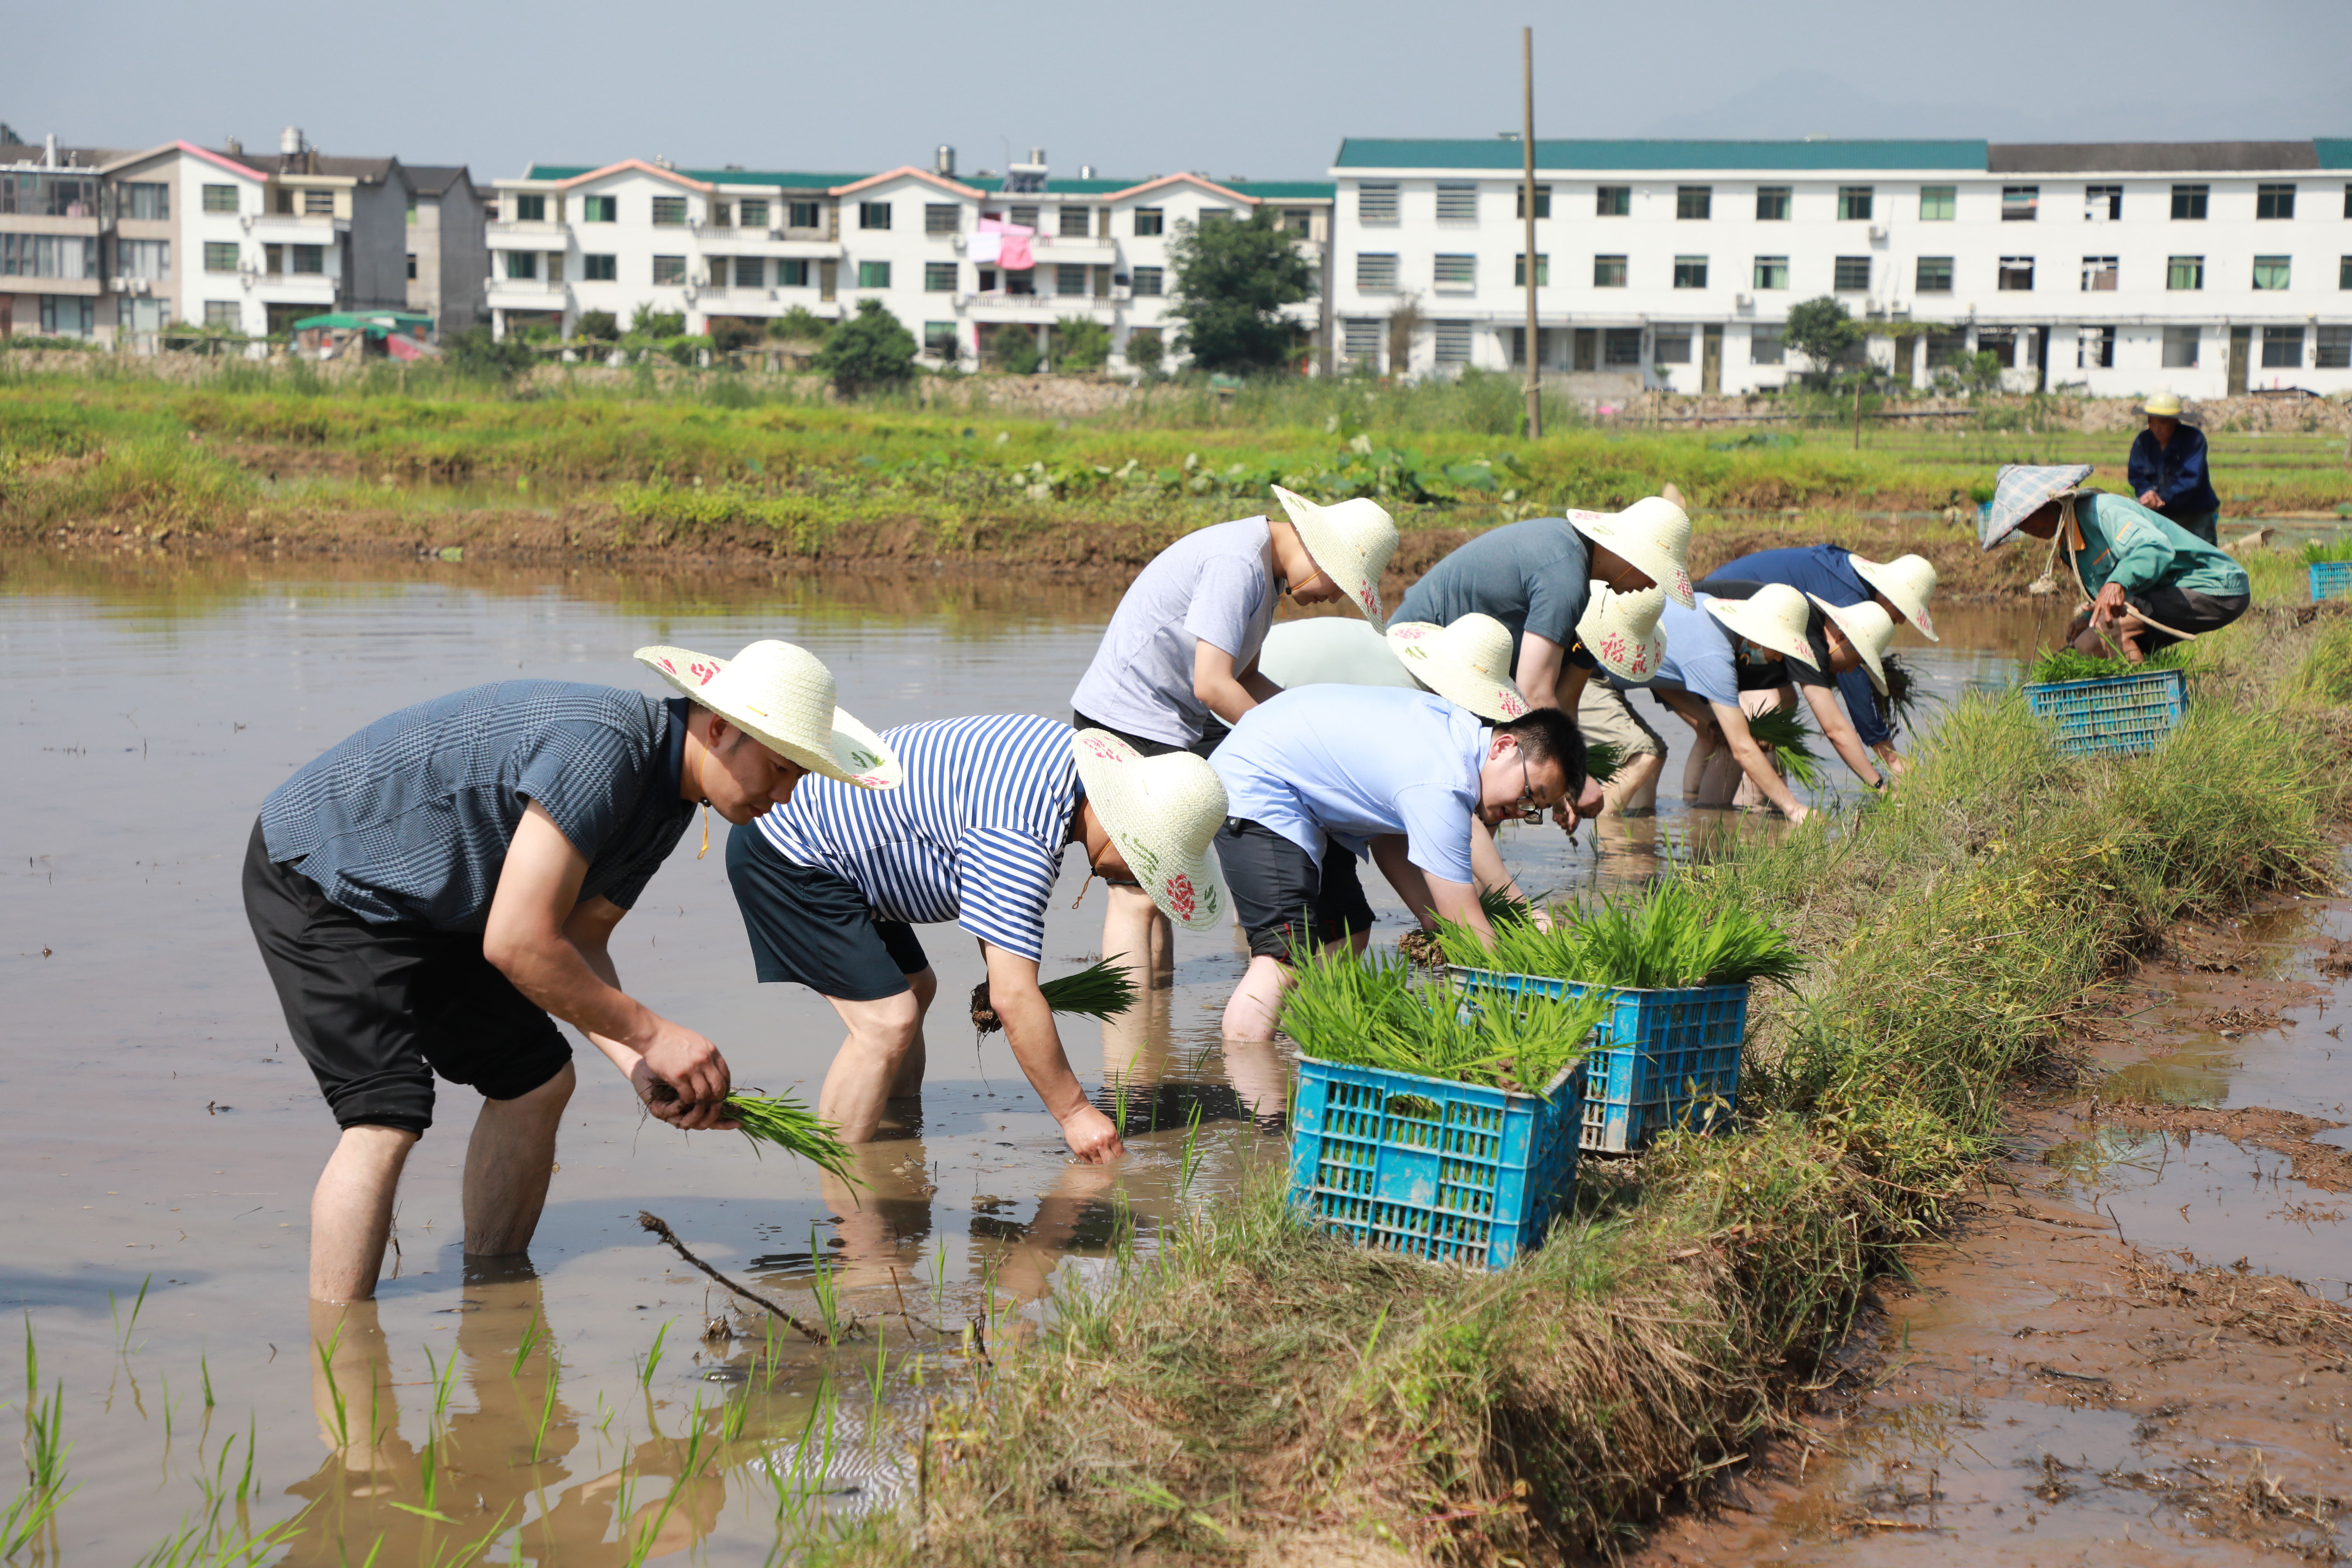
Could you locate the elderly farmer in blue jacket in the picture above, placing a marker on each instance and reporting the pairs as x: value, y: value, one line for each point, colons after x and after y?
x: 2168, y: 470
x: 2150, y: 582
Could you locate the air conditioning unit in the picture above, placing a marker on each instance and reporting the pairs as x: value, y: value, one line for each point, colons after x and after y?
x: 695, y: 224
x: 246, y: 219
x: 1122, y: 291
x: 1744, y: 301
x: 958, y: 241
x: 1878, y: 231
x: 776, y: 233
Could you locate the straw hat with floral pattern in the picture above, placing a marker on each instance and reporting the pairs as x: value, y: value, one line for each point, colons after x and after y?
x: 781, y: 696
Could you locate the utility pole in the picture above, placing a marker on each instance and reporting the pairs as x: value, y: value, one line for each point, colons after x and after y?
x: 1528, y: 200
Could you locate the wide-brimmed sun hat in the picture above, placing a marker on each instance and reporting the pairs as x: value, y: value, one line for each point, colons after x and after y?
x: 2018, y: 492
x: 1774, y: 618
x: 1351, y: 541
x: 1652, y: 535
x: 1908, y: 581
x: 1161, y: 811
x: 1621, y: 630
x: 1468, y: 662
x: 781, y: 696
x: 1869, y: 628
x: 2164, y: 402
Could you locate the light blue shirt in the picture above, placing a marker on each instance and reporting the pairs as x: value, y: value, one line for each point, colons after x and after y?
x: 1212, y: 586
x: 1698, y: 657
x: 1346, y: 765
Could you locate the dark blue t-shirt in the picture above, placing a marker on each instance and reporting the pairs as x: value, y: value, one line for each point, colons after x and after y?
x: 1819, y: 569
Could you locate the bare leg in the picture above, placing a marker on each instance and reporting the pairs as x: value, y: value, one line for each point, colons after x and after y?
x: 909, y: 1083
x: 1137, y: 934
x: 1256, y: 1002
x: 868, y: 1066
x: 508, y: 1164
x: 1635, y: 787
x: 351, y: 1395
x: 350, y: 1211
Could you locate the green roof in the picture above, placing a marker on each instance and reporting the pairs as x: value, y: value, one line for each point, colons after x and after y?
x: 1503, y: 153
x: 2335, y: 152
x: 785, y: 181
x: 1053, y: 188
x: 1284, y: 190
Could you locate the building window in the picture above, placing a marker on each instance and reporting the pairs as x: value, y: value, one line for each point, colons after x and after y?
x: 1855, y: 203
x: 411, y: 212
x: 1360, y: 338
x: 2189, y: 202
x: 310, y: 260
x: 751, y: 214
x: 1375, y: 201
x: 942, y: 217
x: 224, y: 313
x: 939, y: 277
x: 2185, y: 272
x: 1693, y: 201
x: 669, y: 212
x: 750, y: 272
x: 1947, y: 350
x: 1149, y: 221
x: 600, y: 209
x: 1620, y: 345
x: 2019, y: 203
x: 793, y: 272
x: 1455, y: 273
x: 49, y: 195
x: 1457, y: 203
x: 1299, y: 221
x: 2017, y: 273
x: 1545, y: 337
x: 721, y: 214
x: 1609, y: 272
x: 1934, y: 275
x: 220, y: 256
x: 1077, y: 222
x: 1216, y: 215
x: 318, y: 203
x: 1771, y: 272
x: 1612, y: 201
x: 1671, y: 343
x: 2099, y: 272
x: 2334, y: 349
x: 2180, y: 347
x: 874, y: 275
x: 939, y: 339
x: 2095, y: 348
x: 555, y: 267
x: 2270, y: 271
x: 146, y: 201
x: 1765, y: 345
x: 1070, y: 277
x: 669, y: 269
x: 1376, y: 271
x: 2343, y: 272
x: 1519, y: 201
x: 2281, y: 348
x: 2273, y: 201
x: 874, y: 214
x: 1690, y: 271
x: 599, y: 268
x: 221, y: 199
x: 1452, y: 342
x: 412, y: 266
x: 1151, y: 282
x: 519, y: 264
x: 2102, y: 204
x: 1852, y: 275
x: 530, y: 208
x: 1519, y: 271
x: 803, y: 214
x: 150, y: 258
x: 1773, y: 204
x: 1938, y: 203
x: 273, y: 259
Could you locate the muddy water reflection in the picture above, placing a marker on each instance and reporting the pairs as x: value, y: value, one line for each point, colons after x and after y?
x: 163, y: 1132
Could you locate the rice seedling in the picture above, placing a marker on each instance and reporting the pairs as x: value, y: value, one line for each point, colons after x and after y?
x: 531, y: 1335
x: 326, y: 1349
x: 1906, y: 698
x: 44, y: 1441
x: 1665, y: 938
x: 444, y: 1387
x: 2321, y: 551
x: 205, y: 1370
x: 821, y: 1286
x: 122, y: 1329
x: 1782, y: 733
x: 731, y: 1419
x: 1601, y: 760
x: 783, y: 1121
x: 1100, y: 990
x: 2051, y: 666
x: 878, y: 1384
x: 653, y: 1357
x: 27, y: 1514
x: 1370, y: 1014
x: 1188, y: 1164
x: 939, y: 1280
x: 198, y: 1546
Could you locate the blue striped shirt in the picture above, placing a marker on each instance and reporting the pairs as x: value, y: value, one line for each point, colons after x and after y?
x: 975, y: 835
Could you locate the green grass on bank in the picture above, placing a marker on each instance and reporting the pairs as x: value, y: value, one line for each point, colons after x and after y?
x: 1249, y: 1381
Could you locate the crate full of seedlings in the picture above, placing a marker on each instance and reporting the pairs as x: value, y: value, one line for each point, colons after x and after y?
x: 2105, y: 707
x: 1672, y: 971
x: 1427, y: 1127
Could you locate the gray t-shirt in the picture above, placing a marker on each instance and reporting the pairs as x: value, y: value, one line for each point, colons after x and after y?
x: 1533, y: 577
x: 1211, y: 586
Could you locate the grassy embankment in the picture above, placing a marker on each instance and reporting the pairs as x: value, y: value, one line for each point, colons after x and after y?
x: 714, y: 466
x: 1247, y: 1382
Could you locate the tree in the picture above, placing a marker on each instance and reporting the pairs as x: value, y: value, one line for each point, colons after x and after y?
x: 872, y: 348
x: 729, y: 334
x: 1232, y: 278
x: 799, y: 324
x: 597, y: 327
x: 1821, y: 331
x: 1144, y: 351
x: 475, y: 352
x: 652, y: 323
x: 1080, y: 343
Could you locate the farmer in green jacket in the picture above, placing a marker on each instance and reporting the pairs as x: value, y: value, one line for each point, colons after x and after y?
x: 2147, y: 582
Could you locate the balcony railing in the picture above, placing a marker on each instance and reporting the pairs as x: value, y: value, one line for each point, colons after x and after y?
x: 1048, y: 304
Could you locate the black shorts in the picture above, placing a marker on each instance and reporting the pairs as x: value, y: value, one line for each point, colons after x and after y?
x: 1274, y: 882
x: 1149, y: 748
x: 2186, y: 610
x: 377, y: 1010
x: 810, y: 926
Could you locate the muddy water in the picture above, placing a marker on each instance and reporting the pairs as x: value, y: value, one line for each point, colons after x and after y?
x: 163, y: 1136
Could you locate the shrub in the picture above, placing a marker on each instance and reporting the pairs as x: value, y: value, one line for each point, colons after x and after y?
x: 1080, y: 343
x: 652, y: 323
x: 872, y: 348
x: 475, y: 352
x: 597, y: 327
x: 730, y: 334
x: 799, y: 325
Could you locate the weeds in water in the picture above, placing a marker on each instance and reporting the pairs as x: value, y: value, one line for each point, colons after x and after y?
x: 1667, y: 937
x: 1369, y: 1013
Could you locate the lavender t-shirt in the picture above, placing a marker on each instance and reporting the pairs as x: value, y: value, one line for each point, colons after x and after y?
x: 1210, y: 587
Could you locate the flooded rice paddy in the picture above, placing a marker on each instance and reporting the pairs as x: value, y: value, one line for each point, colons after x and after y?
x: 164, y: 1135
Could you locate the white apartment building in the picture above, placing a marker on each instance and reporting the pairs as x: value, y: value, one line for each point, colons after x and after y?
x: 741, y: 244
x: 2208, y: 267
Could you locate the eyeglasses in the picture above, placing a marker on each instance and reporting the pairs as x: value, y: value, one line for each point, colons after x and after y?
x: 1530, y: 810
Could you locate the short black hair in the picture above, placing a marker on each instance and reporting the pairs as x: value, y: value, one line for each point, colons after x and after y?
x: 1548, y: 735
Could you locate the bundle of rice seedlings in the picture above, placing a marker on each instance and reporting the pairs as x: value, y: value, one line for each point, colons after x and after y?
x: 1780, y: 732
x: 1665, y: 939
x: 2053, y: 665
x: 782, y: 1121
x: 1370, y: 1013
x: 1101, y: 990
x: 1905, y: 699
x: 2320, y: 552
x: 1601, y: 760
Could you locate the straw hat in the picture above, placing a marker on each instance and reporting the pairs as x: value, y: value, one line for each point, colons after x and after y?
x: 1468, y: 662
x: 1908, y: 581
x: 2164, y: 402
x: 1869, y: 628
x: 1161, y: 811
x: 1774, y: 618
x: 781, y: 697
x: 1621, y: 630
x: 1351, y: 541
x: 2020, y: 491
x: 1654, y: 534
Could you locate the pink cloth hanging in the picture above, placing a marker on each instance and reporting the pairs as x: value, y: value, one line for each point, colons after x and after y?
x: 1015, y: 255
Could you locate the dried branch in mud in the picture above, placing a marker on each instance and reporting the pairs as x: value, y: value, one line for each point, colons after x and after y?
x: 660, y: 1227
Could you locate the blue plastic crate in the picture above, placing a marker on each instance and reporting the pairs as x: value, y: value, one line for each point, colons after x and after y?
x: 2331, y: 580
x: 2116, y: 714
x: 1452, y: 1171
x: 1665, y: 1059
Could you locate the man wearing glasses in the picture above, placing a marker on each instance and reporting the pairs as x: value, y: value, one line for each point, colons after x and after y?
x: 1413, y: 779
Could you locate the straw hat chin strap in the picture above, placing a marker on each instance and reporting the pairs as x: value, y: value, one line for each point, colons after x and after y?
x: 2070, y: 535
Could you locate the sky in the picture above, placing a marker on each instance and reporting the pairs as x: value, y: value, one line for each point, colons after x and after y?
x: 1230, y: 88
